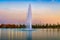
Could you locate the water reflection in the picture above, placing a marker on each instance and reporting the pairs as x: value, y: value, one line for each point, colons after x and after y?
x: 39, y: 34
x: 29, y: 35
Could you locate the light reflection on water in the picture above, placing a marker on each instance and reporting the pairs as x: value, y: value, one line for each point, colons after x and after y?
x: 39, y: 34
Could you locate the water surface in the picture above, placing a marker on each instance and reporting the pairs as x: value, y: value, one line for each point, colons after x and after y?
x: 39, y: 34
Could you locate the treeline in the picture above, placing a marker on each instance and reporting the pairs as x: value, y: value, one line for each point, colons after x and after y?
x: 12, y: 26
x: 33, y: 26
x: 46, y: 26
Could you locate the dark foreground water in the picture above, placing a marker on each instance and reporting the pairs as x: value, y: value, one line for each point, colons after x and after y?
x: 38, y: 34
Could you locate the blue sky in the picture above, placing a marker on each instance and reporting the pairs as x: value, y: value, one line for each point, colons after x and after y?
x: 29, y: 0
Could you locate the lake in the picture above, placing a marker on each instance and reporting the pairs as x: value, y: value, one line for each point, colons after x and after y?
x: 38, y: 34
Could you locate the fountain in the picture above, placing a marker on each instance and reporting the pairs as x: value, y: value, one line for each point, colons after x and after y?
x: 29, y: 24
x: 29, y: 18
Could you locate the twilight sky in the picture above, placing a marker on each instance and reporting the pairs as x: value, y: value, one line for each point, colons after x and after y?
x: 43, y: 11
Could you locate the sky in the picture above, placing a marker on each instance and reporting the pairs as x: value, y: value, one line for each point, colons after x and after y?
x: 43, y: 11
